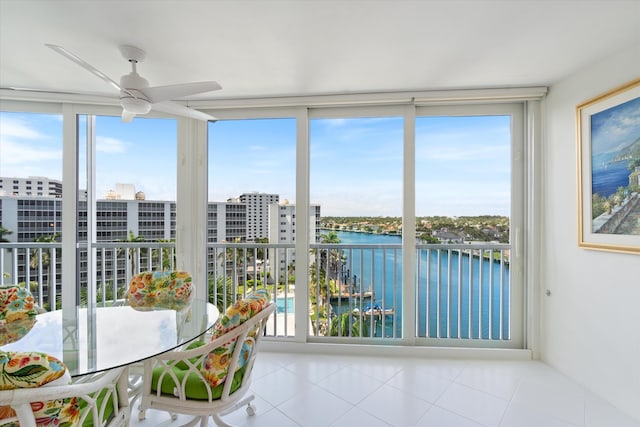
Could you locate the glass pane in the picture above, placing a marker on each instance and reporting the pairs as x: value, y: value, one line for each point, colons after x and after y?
x: 135, y: 184
x: 31, y: 201
x: 252, y: 213
x: 356, y: 180
x: 463, y: 201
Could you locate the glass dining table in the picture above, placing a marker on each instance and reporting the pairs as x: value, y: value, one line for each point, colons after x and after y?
x: 102, y: 338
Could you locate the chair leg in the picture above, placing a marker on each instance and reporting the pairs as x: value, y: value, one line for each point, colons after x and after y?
x: 219, y: 422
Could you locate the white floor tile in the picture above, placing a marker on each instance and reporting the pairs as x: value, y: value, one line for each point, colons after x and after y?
x: 555, y: 397
x: 279, y: 386
x: 438, y: 417
x: 294, y: 390
x: 314, y: 407
x: 380, y: 368
x: 394, y: 406
x: 473, y: 404
x: 500, y: 380
x: 522, y: 416
x: 599, y: 413
x: 350, y: 385
x: 314, y: 368
x: 357, y: 417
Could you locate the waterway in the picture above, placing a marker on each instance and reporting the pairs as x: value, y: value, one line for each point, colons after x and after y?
x: 607, y: 179
x: 471, y: 302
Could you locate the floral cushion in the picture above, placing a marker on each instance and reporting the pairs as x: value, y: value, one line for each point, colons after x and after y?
x: 28, y: 369
x: 216, y: 364
x: 33, y: 369
x: 16, y: 303
x: 160, y: 289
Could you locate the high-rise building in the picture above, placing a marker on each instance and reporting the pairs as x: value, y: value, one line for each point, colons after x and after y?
x: 258, y: 213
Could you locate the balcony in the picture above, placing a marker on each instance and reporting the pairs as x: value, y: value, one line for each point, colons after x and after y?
x: 352, y: 294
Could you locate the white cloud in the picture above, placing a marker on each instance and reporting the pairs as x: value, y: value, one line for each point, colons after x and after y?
x: 106, y: 144
x: 17, y: 152
x: 10, y: 128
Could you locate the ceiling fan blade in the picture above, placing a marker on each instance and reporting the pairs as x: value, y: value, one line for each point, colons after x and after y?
x: 127, y: 116
x: 81, y: 62
x: 180, y: 110
x: 166, y: 93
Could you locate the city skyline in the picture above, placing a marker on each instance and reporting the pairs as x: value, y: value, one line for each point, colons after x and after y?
x: 462, y: 164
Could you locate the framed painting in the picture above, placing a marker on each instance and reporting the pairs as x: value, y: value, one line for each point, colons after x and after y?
x: 609, y: 170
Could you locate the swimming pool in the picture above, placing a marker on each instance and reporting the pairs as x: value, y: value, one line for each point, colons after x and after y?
x: 287, y: 302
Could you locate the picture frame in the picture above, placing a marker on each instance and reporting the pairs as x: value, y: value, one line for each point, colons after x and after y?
x: 608, y: 130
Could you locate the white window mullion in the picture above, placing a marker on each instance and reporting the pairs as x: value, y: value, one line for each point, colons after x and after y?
x: 302, y: 224
x: 409, y: 296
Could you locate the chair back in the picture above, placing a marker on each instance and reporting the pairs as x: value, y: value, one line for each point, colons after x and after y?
x: 160, y: 289
x: 16, y: 303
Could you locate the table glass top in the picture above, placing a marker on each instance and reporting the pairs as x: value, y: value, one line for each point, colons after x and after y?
x: 108, y: 337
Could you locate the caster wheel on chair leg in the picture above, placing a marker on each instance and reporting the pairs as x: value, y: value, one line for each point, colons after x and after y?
x: 251, y: 410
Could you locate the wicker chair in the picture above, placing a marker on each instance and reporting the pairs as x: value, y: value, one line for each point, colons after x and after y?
x: 47, y: 397
x: 213, y: 378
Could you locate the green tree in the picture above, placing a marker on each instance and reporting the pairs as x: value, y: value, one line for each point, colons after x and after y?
x: 132, y: 258
x: 4, y: 232
x: 41, y: 257
x: 221, y: 292
x: 163, y: 254
x: 347, y: 325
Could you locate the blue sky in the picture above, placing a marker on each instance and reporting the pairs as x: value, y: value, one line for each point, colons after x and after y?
x: 462, y: 164
x: 616, y: 127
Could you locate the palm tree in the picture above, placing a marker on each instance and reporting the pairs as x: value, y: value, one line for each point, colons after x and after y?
x: 131, y: 254
x: 46, y: 253
x: 222, y: 294
x: 164, y: 254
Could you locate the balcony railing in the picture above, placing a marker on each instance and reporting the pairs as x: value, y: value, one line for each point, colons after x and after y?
x: 462, y: 292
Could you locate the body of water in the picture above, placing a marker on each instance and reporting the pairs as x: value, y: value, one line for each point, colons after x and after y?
x: 470, y: 305
x: 607, y: 180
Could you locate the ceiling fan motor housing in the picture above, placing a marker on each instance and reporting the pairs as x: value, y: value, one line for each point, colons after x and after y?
x: 134, y: 105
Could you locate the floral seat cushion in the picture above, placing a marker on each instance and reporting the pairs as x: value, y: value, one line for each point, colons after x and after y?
x: 160, y: 289
x: 33, y: 369
x: 28, y: 369
x: 16, y: 303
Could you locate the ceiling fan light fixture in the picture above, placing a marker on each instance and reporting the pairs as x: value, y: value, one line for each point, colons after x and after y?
x: 136, y: 106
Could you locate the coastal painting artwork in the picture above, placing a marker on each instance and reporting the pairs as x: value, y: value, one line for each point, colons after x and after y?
x: 609, y: 170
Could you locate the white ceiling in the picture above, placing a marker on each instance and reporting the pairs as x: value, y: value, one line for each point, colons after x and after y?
x: 257, y: 48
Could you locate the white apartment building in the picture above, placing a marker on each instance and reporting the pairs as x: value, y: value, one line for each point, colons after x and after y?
x: 258, y: 213
x: 29, y: 217
x: 282, y: 230
x: 31, y: 186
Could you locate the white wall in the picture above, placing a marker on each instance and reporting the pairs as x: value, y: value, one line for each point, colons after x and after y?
x: 590, y: 324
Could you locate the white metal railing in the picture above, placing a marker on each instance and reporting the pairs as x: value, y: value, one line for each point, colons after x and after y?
x: 462, y: 291
x: 39, y: 265
x: 234, y: 269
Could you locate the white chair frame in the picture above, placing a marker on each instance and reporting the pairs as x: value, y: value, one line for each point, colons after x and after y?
x: 203, y: 409
x: 114, y: 380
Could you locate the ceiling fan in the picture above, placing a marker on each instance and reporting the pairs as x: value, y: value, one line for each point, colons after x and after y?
x: 136, y: 96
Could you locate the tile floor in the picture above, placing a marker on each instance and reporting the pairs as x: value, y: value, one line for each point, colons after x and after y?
x: 349, y: 391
